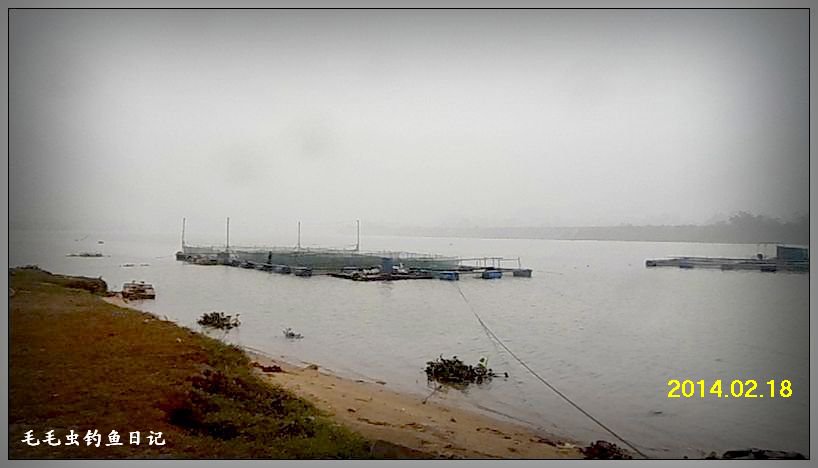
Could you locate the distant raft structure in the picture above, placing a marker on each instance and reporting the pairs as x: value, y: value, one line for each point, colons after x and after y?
x: 351, y: 264
x: 86, y: 254
x: 788, y: 258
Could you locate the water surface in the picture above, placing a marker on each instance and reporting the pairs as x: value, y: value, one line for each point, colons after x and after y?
x: 592, y: 320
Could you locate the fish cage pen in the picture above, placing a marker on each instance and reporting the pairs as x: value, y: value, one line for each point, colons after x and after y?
x: 788, y: 258
x: 347, y: 263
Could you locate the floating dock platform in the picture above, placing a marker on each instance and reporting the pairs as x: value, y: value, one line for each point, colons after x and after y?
x: 766, y: 265
x: 347, y: 264
x: 789, y: 258
x: 381, y: 277
x: 352, y: 265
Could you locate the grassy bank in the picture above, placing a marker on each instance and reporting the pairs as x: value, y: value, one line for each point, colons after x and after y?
x: 77, y: 362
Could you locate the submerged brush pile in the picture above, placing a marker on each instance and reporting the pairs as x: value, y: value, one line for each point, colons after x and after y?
x: 455, y: 371
x: 219, y: 320
x: 602, y: 450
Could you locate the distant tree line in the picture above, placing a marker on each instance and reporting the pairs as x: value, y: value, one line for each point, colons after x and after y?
x: 740, y: 228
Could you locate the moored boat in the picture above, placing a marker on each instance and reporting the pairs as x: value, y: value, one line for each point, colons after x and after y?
x: 140, y: 290
x: 449, y: 275
x: 491, y: 274
x: 302, y: 271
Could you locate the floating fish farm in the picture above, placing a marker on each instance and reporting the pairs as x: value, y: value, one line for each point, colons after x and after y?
x: 787, y: 259
x: 352, y: 264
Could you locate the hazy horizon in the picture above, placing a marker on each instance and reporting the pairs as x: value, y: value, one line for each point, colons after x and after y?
x: 133, y: 119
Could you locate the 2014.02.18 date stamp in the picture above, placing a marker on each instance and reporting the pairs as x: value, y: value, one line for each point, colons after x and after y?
x: 735, y: 389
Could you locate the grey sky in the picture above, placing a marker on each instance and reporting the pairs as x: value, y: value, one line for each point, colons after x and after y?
x: 135, y: 118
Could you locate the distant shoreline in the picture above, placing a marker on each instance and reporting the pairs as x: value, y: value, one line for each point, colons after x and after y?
x: 743, y: 231
x: 713, y: 234
x: 579, y: 239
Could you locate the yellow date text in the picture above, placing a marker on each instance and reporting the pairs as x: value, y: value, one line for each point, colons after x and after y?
x: 728, y: 389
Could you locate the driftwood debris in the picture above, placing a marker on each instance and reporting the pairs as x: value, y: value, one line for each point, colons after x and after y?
x: 761, y: 454
x: 456, y: 372
x: 601, y: 450
x: 219, y: 320
x: 271, y: 368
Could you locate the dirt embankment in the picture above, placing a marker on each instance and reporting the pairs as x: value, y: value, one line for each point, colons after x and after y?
x: 79, y: 363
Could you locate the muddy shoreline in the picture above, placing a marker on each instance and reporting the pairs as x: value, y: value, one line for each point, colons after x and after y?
x: 418, y: 426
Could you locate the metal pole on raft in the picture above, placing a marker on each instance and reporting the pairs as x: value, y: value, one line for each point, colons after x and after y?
x: 358, y: 242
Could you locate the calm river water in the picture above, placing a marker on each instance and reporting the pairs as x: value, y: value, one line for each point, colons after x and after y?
x: 592, y: 320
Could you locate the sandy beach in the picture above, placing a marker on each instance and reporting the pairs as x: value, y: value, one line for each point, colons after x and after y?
x: 378, y: 413
x: 405, y: 424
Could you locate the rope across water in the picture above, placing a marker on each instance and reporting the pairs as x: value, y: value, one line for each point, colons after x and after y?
x: 554, y: 389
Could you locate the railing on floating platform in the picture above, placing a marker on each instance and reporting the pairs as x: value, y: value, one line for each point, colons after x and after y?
x: 345, y: 263
x: 364, y: 266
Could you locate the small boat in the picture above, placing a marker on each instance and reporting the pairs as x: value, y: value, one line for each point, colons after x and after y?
x: 289, y: 333
x: 449, y: 275
x: 492, y: 274
x: 140, y: 290
x: 522, y: 273
x: 420, y: 273
x: 302, y: 271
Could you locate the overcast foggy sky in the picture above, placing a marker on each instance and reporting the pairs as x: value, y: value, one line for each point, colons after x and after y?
x: 134, y: 119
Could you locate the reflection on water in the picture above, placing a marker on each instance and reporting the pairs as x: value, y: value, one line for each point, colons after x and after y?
x: 592, y: 320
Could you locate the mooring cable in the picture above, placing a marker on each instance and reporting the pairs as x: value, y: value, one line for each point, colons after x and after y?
x: 554, y: 389
x: 494, y: 343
